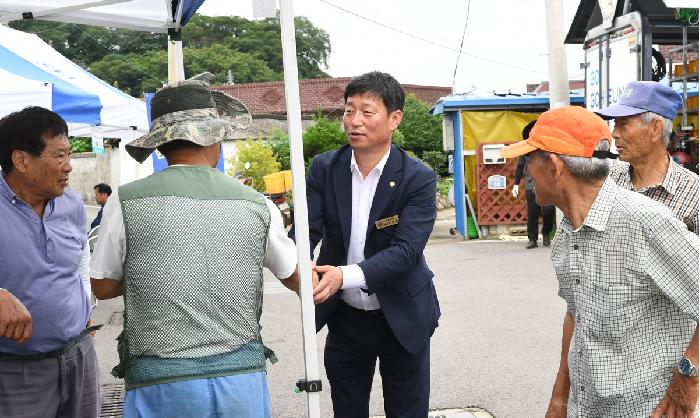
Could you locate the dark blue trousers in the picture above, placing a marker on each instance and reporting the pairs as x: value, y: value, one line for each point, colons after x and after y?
x: 356, y: 339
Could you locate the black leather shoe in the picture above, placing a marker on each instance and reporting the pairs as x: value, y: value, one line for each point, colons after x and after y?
x: 546, y: 240
x: 530, y: 245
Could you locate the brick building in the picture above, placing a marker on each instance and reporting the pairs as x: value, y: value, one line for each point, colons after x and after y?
x: 543, y: 86
x: 266, y: 103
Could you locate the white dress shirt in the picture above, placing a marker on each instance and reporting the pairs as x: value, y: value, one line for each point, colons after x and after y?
x: 363, y: 190
x: 110, y: 249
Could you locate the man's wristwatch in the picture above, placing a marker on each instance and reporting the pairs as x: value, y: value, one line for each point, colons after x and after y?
x: 686, y: 368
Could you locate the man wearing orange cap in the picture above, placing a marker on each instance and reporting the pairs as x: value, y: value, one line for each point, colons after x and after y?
x: 627, y: 269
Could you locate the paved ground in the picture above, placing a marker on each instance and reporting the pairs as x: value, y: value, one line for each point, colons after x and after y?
x: 497, y: 346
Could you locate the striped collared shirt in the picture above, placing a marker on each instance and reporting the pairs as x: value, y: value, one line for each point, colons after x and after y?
x: 678, y: 190
x: 629, y: 276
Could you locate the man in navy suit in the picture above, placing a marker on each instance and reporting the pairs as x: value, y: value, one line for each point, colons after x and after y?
x: 374, y: 208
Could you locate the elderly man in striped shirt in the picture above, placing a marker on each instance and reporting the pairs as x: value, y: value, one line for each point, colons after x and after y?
x: 628, y: 271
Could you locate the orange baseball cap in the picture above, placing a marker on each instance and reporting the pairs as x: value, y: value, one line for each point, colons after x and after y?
x: 570, y: 130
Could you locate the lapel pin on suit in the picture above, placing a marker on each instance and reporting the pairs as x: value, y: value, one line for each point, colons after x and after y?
x: 392, y: 184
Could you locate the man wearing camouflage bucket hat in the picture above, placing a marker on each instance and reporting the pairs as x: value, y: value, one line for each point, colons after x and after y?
x: 186, y: 247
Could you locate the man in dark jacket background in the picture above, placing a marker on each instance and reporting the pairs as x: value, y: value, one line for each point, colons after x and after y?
x: 533, y: 209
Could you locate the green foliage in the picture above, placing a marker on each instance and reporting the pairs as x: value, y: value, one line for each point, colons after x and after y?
x: 85, y: 44
x: 324, y: 135
x: 279, y: 142
x: 437, y: 160
x: 398, y: 139
x: 313, y: 48
x: 444, y: 185
x: 217, y: 59
x: 261, y: 38
x: 79, y: 144
x: 253, y: 160
x: 421, y: 130
x: 136, y: 62
x: 133, y: 73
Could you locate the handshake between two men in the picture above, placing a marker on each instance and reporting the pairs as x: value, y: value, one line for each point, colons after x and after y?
x: 325, y: 281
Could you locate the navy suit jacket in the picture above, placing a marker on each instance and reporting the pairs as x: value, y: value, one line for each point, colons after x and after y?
x: 394, y: 265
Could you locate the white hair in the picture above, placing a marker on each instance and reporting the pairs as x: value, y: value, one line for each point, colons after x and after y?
x: 584, y: 168
x: 648, y: 117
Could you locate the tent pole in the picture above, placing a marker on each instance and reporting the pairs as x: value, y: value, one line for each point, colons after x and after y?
x: 301, y: 219
x: 176, y: 70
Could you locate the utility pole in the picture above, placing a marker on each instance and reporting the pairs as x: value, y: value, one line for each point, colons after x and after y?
x: 558, y: 74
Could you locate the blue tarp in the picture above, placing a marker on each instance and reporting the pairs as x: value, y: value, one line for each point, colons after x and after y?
x: 189, y: 9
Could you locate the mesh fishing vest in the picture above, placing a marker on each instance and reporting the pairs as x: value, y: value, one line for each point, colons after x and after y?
x: 193, y: 286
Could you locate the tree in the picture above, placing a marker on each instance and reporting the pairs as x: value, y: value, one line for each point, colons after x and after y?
x: 133, y: 73
x: 421, y: 130
x: 85, y: 45
x: 253, y: 160
x: 324, y: 135
x: 279, y: 142
x: 218, y: 60
x: 261, y: 38
x: 79, y: 144
x: 137, y: 61
x: 398, y: 139
x: 139, y: 73
x: 436, y: 160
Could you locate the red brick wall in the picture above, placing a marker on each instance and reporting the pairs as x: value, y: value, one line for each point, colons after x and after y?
x: 543, y: 87
x: 677, y: 56
x: 325, y: 94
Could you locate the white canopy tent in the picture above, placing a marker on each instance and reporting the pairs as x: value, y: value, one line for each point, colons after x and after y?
x: 140, y: 15
x: 31, y: 72
x: 168, y: 16
x: 18, y: 92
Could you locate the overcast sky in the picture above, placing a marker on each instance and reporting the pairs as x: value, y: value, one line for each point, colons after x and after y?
x: 416, y: 40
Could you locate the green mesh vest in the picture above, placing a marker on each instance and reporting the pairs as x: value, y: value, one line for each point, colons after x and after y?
x: 193, y: 286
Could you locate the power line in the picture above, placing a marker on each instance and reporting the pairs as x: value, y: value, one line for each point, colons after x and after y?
x: 505, y: 64
x: 466, y: 22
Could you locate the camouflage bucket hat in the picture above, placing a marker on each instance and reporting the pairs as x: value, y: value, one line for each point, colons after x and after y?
x: 190, y: 111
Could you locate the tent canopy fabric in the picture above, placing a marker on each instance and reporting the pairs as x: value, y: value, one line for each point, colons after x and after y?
x: 142, y: 15
x: 30, y: 70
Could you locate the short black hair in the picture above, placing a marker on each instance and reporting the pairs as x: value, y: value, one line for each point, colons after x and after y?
x: 378, y: 84
x: 176, y: 145
x: 27, y: 130
x: 103, y: 188
x: 528, y: 128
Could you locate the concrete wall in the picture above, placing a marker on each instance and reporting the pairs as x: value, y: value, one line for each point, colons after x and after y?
x: 90, y: 168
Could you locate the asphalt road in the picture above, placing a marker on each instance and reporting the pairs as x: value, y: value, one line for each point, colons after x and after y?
x: 497, y: 346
